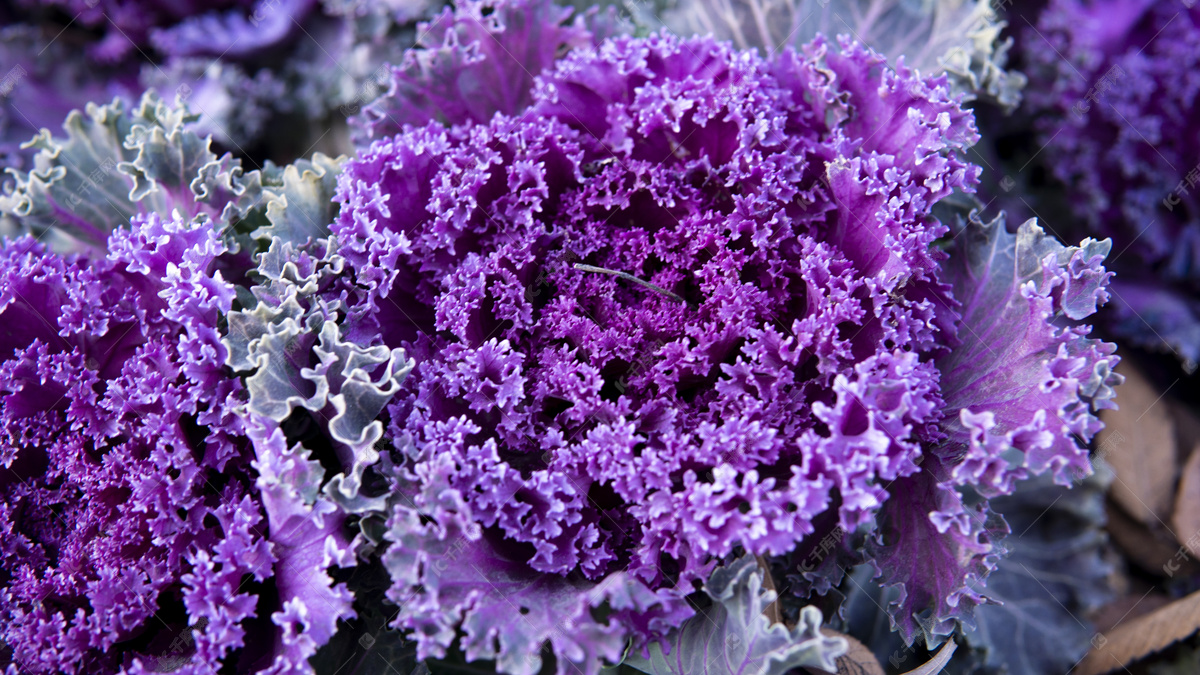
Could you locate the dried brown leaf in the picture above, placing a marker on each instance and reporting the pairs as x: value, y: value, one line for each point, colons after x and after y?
x: 857, y: 661
x: 1151, y: 548
x: 1186, y: 518
x: 1126, y: 608
x: 1187, y: 427
x: 1136, y: 639
x: 1139, y: 443
x: 861, y: 661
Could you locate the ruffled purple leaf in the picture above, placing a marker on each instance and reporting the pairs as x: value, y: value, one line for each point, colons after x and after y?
x: 1025, y: 377
x: 475, y: 60
x: 1022, y: 388
x: 307, y: 538
x: 449, y: 574
x: 937, y: 551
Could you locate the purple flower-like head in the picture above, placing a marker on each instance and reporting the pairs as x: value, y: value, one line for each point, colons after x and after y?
x: 691, y: 300
x: 129, y: 520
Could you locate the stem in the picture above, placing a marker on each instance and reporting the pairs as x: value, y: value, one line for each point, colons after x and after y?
x: 628, y: 277
x: 772, y: 611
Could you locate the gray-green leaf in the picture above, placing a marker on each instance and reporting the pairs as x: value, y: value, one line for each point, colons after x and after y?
x: 734, y: 637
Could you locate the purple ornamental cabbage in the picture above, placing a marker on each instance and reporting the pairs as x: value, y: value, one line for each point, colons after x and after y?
x: 129, y: 512
x: 151, y: 523
x: 175, y: 27
x: 41, y: 82
x: 693, y: 300
x: 242, y: 65
x: 1116, y: 105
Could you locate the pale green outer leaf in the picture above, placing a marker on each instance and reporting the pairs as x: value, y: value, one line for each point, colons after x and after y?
x: 290, y: 345
x: 167, y: 154
x: 113, y: 164
x: 734, y: 637
x: 299, y: 359
x: 300, y: 199
x: 359, y: 399
x: 960, y: 38
x: 74, y: 182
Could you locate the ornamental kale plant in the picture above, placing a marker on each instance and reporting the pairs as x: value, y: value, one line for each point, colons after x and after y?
x: 591, y: 333
x: 244, y: 67
x: 145, y: 528
x: 128, y: 507
x: 688, y: 302
x: 128, y: 26
x: 1115, y: 106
